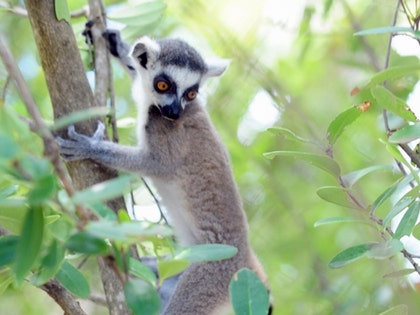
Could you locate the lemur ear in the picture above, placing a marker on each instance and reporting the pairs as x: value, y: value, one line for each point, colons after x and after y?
x: 216, y: 67
x: 145, y: 51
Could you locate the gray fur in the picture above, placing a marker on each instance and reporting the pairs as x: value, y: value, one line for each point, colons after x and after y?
x: 190, y: 168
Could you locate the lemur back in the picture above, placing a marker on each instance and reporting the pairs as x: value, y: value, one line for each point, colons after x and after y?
x: 180, y: 151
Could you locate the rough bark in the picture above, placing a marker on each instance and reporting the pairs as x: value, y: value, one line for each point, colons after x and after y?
x: 70, y: 91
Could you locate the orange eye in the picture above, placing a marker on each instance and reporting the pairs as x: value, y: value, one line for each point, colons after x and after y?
x: 162, y: 86
x: 191, y: 95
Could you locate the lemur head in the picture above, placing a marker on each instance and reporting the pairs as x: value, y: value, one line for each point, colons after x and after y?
x: 170, y: 73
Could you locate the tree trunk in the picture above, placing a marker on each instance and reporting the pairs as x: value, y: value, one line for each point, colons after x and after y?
x: 70, y: 91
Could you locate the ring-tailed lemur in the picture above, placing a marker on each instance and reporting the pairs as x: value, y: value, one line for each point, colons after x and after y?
x: 180, y: 151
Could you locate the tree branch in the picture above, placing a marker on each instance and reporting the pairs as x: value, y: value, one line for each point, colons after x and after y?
x: 63, y: 298
x: 70, y: 91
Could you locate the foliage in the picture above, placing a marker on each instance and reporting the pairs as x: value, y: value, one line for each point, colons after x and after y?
x: 337, y: 89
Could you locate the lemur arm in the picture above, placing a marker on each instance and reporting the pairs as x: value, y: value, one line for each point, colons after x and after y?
x: 117, y: 47
x: 120, y: 50
x: 113, y: 155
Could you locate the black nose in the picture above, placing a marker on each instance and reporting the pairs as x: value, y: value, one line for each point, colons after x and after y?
x: 172, y: 111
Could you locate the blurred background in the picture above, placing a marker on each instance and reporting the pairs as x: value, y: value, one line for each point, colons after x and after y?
x: 294, y: 65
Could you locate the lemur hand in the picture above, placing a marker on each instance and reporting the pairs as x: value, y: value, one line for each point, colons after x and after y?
x: 80, y: 147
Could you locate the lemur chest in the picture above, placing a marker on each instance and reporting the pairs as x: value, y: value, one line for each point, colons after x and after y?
x: 176, y: 205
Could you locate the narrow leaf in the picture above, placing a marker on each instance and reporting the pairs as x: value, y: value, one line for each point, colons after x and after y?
x: 170, y: 268
x: 288, y: 134
x: 6, y: 279
x: 104, y: 191
x: 8, y: 191
x: 401, y: 204
x: 62, y: 11
x: 408, y: 221
x: 338, y: 220
x: 385, y: 249
x: 141, y: 297
x: 248, y: 294
x: 73, y: 280
x: 207, y: 252
x: 387, y: 100
x: 352, y: 178
x: 405, y: 135
x: 78, y: 116
x: 384, y: 30
x: 337, y: 126
x: 50, y: 264
x: 321, y: 161
x: 394, y: 189
x: 350, y: 255
x: 391, y: 73
x: 400, y: 273
x: 86, y: 243
x: 127, y: 231
x: 336, y: 195
x: 29, y: 243
x: 396, y: 310
x: 8, y: 245
x: 140, y: 270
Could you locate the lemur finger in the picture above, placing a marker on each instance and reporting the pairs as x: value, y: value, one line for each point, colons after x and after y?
x: 99, y: 133
x: 73, y: 134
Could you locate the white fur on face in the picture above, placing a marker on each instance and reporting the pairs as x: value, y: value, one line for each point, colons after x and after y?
x: 184, y: 78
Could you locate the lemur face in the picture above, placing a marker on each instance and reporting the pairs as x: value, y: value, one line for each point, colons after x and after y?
x: 174, y: 88
x: 170, y: 72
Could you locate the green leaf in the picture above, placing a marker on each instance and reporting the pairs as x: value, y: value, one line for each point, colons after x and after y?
x: 8, y: 245
x: 401, y: 204
x: 8, y: 148
x: 104, y: 191
x: 207, y: 252
x: 385, y: 249
x: 391, y: 73
x: 6, y: 279
x: 170, y: 268
x: 78, y: 116
x: 408, y: 221
x: 394, y: 189
x: 405, y: 135
x: 73, y: 280
x: 140, y: 270
x: 8, y: 191
x: 336, y: 195
x: 337, y: 220
x: 127, y: 231
x: 50, y: 263
x: 29, y: 243
x: 133, y: 13
x: 321, y: 161
x: 400, y: 273
x: 248, y: 294
x: 141, y: 297
x: 387, y: 100
x: 352, y: 178
x: 43, y: 189
x: 384, y: 30
x: 103, y: 211
x: 350, y: 255
x: 396, y: 310
x: 288, y: 134
x: 12, y: 212
x: 62, y: 11
x: 86, y: 243
x: 337, y: 126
